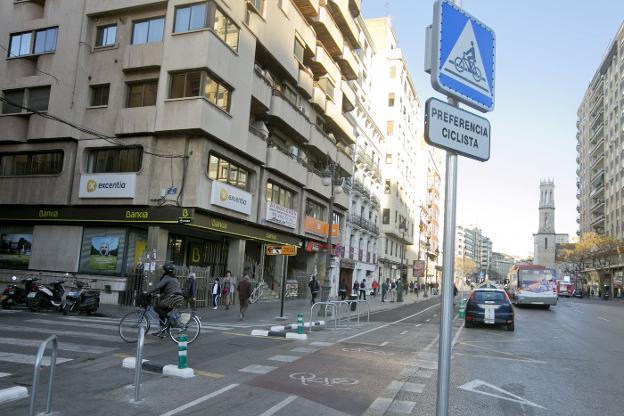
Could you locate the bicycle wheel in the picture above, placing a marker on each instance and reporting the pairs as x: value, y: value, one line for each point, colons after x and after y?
x: 477, y: 75
x: 129, y: 325
x: 191, y: 328
x: 459, y: 64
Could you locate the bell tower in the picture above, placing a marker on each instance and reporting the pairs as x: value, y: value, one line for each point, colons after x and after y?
x: 545, y: 241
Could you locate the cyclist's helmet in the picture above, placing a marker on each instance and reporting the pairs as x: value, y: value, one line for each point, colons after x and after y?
x: 169, y: 268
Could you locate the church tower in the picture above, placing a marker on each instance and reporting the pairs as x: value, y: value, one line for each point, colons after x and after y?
x: 546, y: 240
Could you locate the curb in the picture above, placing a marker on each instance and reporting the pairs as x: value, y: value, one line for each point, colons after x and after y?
x: 167, y: 370
x: 280, y: 334
x: 13, y: 393
x: 280, y: 328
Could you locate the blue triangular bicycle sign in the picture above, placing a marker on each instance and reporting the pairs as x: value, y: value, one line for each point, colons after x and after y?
x: 463, y: 56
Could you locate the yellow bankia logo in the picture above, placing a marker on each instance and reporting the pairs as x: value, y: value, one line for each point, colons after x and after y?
x: 91, y: 185
x: 223, y: 195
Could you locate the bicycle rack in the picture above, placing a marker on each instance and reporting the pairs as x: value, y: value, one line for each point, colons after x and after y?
x: 330, y: 304
x: 339, y: 304
x: 356, y: 301
x: 138, y: 362
x: 35, y: 383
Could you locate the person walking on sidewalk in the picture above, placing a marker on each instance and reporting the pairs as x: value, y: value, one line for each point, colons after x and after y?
x: 190, y: 291
x: 362, y: 290
x: 315, y: 288
x: 416, y: 289
x: 393, y: 290
x: 244, y: 293
x: 375, y: 287
x: 216, y: 292
x: 384, y: 289
x: 342, y: 289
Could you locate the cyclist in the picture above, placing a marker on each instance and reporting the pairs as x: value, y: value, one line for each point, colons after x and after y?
x: 470, y: 54
x: 171, y: 294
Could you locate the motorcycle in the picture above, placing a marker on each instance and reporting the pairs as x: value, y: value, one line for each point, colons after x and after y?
x: 81, y: 299
x: 43, y: 296
x: 14, y: 294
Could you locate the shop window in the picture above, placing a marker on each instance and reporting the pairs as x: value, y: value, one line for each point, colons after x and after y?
x: 31, y: 163
x: 137, y: 249
x: 314, y: 210
x: 103, y: 250
x: 279, y: 195
x: 116, y: 159
x: 15, y: 246
x: 148, y: 31
x: 222, y: 170
x: 142, y: 94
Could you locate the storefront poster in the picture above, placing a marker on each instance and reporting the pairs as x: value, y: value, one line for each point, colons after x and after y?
x: 104, y: 252
x: 230, y: 197
x: 281, y: 215
x: 317, y: 227
x: 107, y: 186
x: 15, y: 250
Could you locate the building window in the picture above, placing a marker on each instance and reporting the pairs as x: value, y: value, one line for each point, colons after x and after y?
x: 390, y: 127
x: 21, y: 44
x: 142, y: 94
x: 99, y: 95
x: 217, y: 92
x: 223, y: 170
x: 388, y: 158
x: 190, y: 84
x: 116, y: 159
x: 191, y: 17
x: 299, y: 51
x: 387, y: 187
x: 393, y: 72
x: 258, y: 5
x: 385, y: 218
x: 290, y: 94
x: 327, y: 85
x: 279, y: 195
x: 391, y: 99
x: 314, y: 210
x: 34, y: 163
x: 546, y: 243
x: 26, y: 99
x: 186, y: 84
x: 147, y: 31
x: 225, y: 28
x: 106, y: 35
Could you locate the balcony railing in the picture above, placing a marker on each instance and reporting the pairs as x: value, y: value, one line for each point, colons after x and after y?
x: 365, y: 224
x: 368, y: 163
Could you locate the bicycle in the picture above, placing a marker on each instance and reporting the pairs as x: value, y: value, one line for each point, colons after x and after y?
x: 257, y: 293
x: 179, y: 322
x: 463, y: 64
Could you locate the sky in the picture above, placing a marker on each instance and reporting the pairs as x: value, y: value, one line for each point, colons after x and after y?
x: 547, y: 52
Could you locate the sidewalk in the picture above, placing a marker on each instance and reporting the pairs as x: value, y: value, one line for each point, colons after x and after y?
x: 267, y: 313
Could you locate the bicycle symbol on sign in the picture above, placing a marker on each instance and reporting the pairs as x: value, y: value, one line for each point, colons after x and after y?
x: 308, y: 379
x: 467, y: 61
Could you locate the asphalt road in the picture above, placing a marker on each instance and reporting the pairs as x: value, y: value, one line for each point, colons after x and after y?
x: 565, y: 361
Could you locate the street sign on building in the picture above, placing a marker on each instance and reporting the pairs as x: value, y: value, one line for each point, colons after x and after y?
x: 272, y: 250
x: 463, y: 56
x: 457, y: 130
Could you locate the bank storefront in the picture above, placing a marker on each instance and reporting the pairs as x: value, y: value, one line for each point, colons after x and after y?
x: 110, y: 244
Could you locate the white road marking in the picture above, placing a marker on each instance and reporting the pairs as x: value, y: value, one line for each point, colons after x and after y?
x: 417, y: 325
x: 432, y: 343
x: 257, y: 369
x: 28, y: 359
x: 9, y: 311
x: 475, y: 384
x: 388, y: 324
x: 108, y: 327
x: 404, y: 332
x: 378, y: 407
x: 383, y: 344
x: 64, y: 346
x: 322, y: 344
x: 284, y: 358
x: 428, y: 320
x: 604, y: 319
x: 200, y: 400
x: 304, y: 350
x: 4, y: 374
x: 217, y: 328
x: 279, y: 406
x: 402, y: 407
x: 77, y: 334
x: 413, y: 387
x: 493, y: 357
x: 507, y: 354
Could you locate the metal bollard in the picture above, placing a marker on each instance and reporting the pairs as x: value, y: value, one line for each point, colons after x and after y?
x: 182, y: 350
x: 299, y: 323
x: 138, y: 362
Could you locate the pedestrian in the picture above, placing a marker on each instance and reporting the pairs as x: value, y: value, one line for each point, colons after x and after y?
x: 216, y: 291
x: 225, y: 290
x: 315, y: 288
x: 244, y: 293
x: 392, y: 290
x: 190, y: 291
x: 384, y: 289
x: 342, y: 289
x: 454, y: 293
x: 362, y: 290
x: 416, y: 289
x: 356, y: 288
x: 375, y: 287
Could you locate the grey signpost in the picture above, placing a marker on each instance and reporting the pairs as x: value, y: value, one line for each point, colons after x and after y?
x: 461, y: 62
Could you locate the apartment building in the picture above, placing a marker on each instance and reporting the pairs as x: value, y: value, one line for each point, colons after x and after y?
x: 501, y: 264
x: 471, y: 243
x: 134, y: 132
x: 600, y: 145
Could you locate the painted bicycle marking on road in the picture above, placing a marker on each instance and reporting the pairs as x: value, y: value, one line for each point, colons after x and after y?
x: 367, y: 350
x: 308, y: 379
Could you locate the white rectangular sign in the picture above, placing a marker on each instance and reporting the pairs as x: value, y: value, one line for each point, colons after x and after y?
x: 107, y: 186
x: 230, y: 197
x: 457, y: 130
x: 281, y: 215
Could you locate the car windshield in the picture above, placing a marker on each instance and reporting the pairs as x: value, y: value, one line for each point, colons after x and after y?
x: 483, y: 295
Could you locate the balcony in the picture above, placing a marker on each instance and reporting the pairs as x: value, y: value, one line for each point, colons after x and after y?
x: 345, y: 162
x: 322, y: 64
x: 598, y: 161
x: 355, y: 6
x: 598, y: 205
x: 597, y: 133
x: 194, y: 113
x: 257, y: 145
x: 597, y: 121
x: 327, y: 31
x: 146, y: 56
x: 368, y: 163
x: 14, y: 128
x: 597, y: 174
x: 597, y: 146
x: 597, y: 192
x: 348, y: 63
x: 348, y: 96
x: 289, y: 118
x: 319, y: 98
x: 278, y: 161
x: 340, y: 122
x: 364, y: 224
x: 308, y: 8
x: 261, y: 88
x: 598, y: 220
x: 314, y: 182
x: 342, y: 14
x: 342, y: 199
x: 137, y: 120
x: 305, y: 83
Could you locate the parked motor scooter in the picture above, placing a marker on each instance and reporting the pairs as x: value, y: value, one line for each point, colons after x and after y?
x: 14, y: 294
x: 81, y: 299
x: 43, y: 296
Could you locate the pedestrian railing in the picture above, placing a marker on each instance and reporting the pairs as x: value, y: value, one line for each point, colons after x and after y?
x: 36, y: 372
x: 327, y: 304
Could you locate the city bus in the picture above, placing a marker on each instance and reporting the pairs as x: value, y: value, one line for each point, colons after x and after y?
x: 531, y: 284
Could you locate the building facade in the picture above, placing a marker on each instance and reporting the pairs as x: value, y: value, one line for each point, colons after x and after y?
x: 501, y: 264
x: 471, y: 243
x: 138, y: 132
x: 546, y: 240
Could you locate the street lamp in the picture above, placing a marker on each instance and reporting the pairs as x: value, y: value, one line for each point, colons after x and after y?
x: 403, y: 229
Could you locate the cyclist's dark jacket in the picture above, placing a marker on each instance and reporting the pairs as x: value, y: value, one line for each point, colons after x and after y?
x: 168, y: 285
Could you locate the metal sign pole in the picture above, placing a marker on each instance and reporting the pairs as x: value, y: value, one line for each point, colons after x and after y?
x: 283, y: 287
